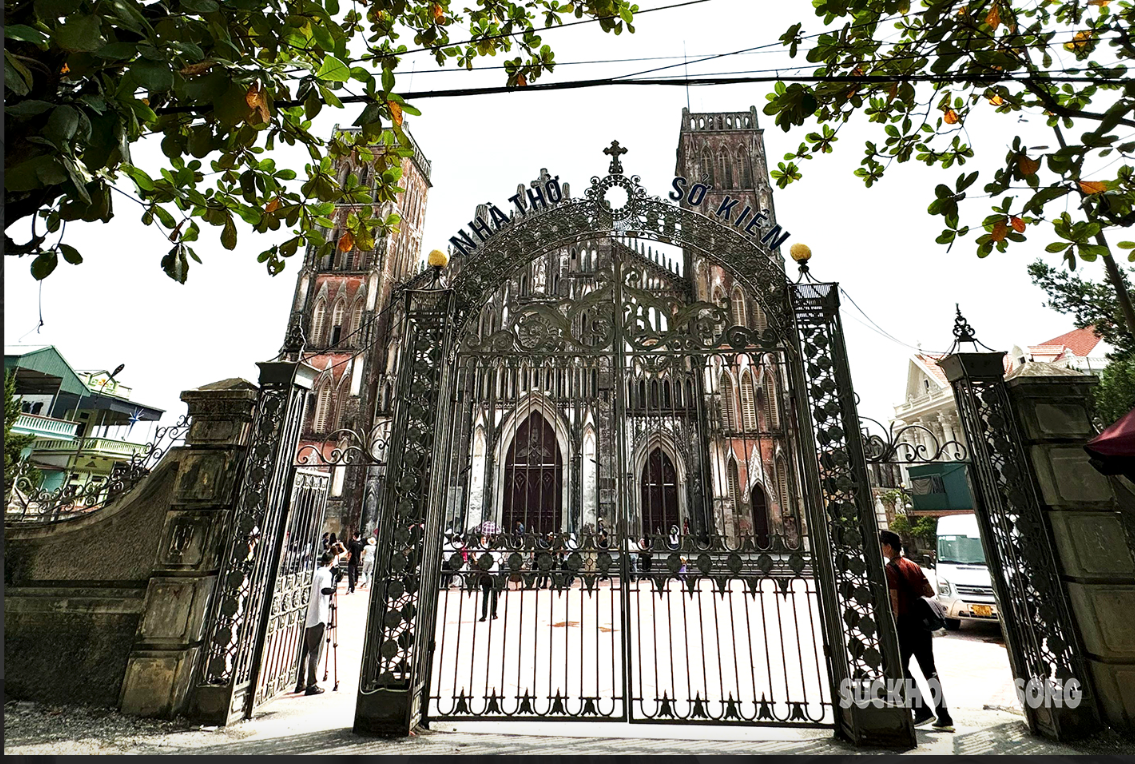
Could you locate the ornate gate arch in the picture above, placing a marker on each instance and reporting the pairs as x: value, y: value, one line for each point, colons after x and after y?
x: 644, y: 334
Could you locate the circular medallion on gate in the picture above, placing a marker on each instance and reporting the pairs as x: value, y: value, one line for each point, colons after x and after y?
x: 514, y: 561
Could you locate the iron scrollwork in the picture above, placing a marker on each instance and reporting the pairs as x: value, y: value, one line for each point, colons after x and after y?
x: 31, y: 503
x: 351, y: 448
x: 907, y: 444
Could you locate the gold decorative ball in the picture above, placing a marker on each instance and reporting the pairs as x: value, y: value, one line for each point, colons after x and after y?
x: 438, y: 259
x: 801, y: 253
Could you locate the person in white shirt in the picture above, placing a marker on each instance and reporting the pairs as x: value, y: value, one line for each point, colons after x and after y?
x: 318, y: 607
x: 368, y: 561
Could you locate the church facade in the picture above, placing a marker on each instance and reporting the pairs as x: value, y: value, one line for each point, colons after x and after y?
x: 573, y: 396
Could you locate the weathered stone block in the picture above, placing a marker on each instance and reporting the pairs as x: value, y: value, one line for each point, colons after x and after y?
x: 1058, y: 419
x: 157, y: 684
x: 215, y: 432
x: 175, y: 609
x: 206, y: 477
x: 1092, y: 545
x: 1115, y: 687
x: 1103, y: 614
x: 1066, y: 477
x: 188, y: 541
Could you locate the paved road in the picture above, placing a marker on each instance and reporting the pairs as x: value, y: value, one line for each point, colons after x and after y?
x: 972, y: 662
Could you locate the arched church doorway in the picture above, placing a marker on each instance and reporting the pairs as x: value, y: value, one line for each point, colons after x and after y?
x: 659, y: 494
x: 533, y: 478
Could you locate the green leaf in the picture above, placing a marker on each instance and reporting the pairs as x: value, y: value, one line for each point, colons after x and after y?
x: 80, y: 34
x: 70, y: 254
x: 53, y: 9
x: 333, y: 70
x: 387, y: 80
x: 1058, y: 246
x: 28, y: 108
x: 61, y: 125
x: 152, y: 75
x: 1126, y: 245
x: 175, y: 264
x: 139, y: 176
x: 44, y: 264
x: 200, y: 6
x: 228, y: 234
x: 25, y: 33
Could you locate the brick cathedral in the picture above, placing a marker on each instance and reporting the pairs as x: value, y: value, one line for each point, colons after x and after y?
x: 343, y: 307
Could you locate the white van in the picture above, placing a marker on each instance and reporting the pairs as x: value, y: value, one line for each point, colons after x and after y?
x: 964, y: 586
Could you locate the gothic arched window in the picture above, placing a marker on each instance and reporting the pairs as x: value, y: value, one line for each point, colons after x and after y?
x: 760, y: 320
x: 728, y: 405
x: 337, y: 322
x: 658, y: 492
x: 738, y: 305
x: 759, y: 510
x: 771, y: 400
x: 533, y: 478
x: 727, y: 169
x: 746, y: 170
x: 318, y: 322
x: 357, y: 321
x: 748, y: 403
x: 323, y: 406
x: 707, y: 166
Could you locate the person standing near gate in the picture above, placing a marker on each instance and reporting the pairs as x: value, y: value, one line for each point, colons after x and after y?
x: 907, y: 585
x: 318, y: 607
x: 368, y: 561
x: 488, y: 579
x: 354, y: 559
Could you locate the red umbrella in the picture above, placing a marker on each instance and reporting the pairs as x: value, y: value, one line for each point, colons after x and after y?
x: 1112, y: 452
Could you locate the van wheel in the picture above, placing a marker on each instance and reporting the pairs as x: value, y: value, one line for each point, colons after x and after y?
x: 953, y: 624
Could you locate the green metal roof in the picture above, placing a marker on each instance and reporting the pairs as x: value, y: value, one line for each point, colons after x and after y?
x: 45, y: 360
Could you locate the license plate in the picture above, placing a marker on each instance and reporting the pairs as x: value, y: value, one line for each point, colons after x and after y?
x: 983, y: 611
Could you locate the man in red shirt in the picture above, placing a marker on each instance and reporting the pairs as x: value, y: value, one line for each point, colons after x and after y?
x: 907, y: 584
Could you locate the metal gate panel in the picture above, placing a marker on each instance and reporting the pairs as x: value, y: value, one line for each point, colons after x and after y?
x: 298, y: 557
x: 558, y: 413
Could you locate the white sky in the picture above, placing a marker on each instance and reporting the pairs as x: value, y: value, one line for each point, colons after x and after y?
x: 119, y: 307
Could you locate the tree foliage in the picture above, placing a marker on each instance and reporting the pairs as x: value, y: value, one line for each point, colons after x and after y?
x: 1115, y: 394
x: 13, y: 444
x: 222, y: 82
x: 1089, y: 304
x: 921, y: 74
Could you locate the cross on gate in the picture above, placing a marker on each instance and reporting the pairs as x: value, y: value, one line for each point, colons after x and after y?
x: 615, y: 151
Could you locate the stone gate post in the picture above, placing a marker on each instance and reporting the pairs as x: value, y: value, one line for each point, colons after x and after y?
x: 861, y: 634
x: 401, y: 614
x: 159, y: 671
x: 1034, y: 494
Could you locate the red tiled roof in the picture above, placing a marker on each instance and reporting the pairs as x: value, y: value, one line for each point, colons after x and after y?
x: 1080, y: 341
x: 930, y: 361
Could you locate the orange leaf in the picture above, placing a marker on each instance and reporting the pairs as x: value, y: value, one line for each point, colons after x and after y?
x: 346, y: 242
x: 894, y: 91
x: 996, y: 100
x: 1018, y: 224
x: 1099, y: 3
x: 273, y: 205
x: 993, y: 18
x: 1027, y: 166
x: 951, y: 117
x: 439, y: 14
x: 253, y: 97
x: 395, y: 112
x: 1092, y: 187
x: 65, y: 69
x: 1000, y: 229
x: 1079, y: 41
x: 857, y: 71
x: 521, y: 81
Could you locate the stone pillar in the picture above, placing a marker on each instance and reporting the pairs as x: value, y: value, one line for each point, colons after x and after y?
x: 1093, y: 543
x: 159, y: 671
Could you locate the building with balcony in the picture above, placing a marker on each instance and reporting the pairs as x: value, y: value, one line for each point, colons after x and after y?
x: 84, y: 423
x: 930, y: 418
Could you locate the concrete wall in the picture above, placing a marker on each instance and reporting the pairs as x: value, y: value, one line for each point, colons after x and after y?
x: 109, y: 608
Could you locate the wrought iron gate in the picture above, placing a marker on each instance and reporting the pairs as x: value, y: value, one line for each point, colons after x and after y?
x: 625, y: 533
x: 298, y: 555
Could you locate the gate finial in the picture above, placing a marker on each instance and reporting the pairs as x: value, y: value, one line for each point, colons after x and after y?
x: 964, y: 333
x: 615, y: 151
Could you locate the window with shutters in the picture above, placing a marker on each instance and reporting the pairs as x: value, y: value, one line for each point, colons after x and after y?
x: 748, y: 403
x: 784, y: 498
x: 726, y: 169
x: 760, y: 320
x: 707, y: 166
x: 771, y: 400
x: 318, y: 322
x: 728, y: 407
x: 357, y: 322
x: 746, y: 170
x: 734, y: 486
x: 323, y: 406
x: 738, y: 305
